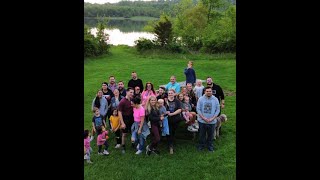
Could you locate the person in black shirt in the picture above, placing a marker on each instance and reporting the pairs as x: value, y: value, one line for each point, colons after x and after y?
x: 135, y: 81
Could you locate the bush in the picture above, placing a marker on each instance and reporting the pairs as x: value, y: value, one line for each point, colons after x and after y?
x: 144, y: 44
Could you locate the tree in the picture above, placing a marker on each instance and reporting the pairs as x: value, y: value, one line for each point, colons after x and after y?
x: 163, y: 31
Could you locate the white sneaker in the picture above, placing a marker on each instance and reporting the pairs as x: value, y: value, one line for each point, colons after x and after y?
x: 105, y: 152
x: 137, y: 146
x: 195, y: 125
x: 117, y: 146
x: 139, y: 152
x: 192, y: 129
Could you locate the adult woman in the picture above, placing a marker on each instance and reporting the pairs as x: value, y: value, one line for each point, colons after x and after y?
x: 173, y: 107
x: 153, y: 115
x: 148, y: 91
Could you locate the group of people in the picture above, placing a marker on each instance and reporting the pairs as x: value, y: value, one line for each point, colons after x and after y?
x: 141, y: 111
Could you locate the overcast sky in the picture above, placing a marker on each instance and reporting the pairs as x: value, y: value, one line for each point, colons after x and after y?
x: 105, y: 1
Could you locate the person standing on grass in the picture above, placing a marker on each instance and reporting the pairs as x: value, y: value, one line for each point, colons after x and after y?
x: 108, y: 94
x: 115, y: 125
x: 88, y: 150
x: 125, y: 111
x: 112, y: 83
x: 101, y: 103
x: 139, y: 129
x: 218, y: 93
x: 97, y: 120
x: 135, y: 81
x: 208, y: 109
x: 155, y: 118
x: 102, y: 139
x: 173, y: 85
x: 173, y: 107
x: 190, y: 73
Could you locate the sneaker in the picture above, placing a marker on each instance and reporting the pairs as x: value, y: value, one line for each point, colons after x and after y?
x: 105, y: 152
x: 192, y: 129
x: 139, y: 152
x: 171, y: 150
x: 137, y: 147
x: 88, y: 161
x: 100, y: 153
x: 195, y: 125
x: 117, y: 146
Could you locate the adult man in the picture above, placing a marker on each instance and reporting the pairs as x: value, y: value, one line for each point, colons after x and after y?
x: 173, y: 85
x: 216, y: 91
x: 112, y: 83
x: 208, y: 108
x: 121, y: 89
x: 125, y: 112
x: 135, y: 81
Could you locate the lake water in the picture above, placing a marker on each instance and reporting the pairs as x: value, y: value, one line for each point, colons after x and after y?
x: 122, y: 32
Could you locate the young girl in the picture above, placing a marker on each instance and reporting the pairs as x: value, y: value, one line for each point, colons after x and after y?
x: 102, y: 140
x: 198, y: 89
x: 87, y: 139
x: 163, y: 111
x: 186, y: 114
x: 97, y: 120
x: 115, y: 125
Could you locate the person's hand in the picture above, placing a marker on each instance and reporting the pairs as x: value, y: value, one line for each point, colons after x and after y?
x: 123, y: 126
x: 139, y: 131
x: 222, y: 106
x: 161, y: 117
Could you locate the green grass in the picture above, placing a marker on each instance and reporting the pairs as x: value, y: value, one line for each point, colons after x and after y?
x: 186, y: 162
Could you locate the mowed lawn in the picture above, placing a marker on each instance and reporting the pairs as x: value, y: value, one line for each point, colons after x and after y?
x: 186, y: 162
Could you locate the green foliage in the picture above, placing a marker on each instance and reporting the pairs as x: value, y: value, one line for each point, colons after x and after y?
x: 163, y: 31
x: 221, y: 36
x: 143, y: 44
x: 96, y: 46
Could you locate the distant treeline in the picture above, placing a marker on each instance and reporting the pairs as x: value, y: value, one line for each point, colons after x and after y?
x: 134, y: 8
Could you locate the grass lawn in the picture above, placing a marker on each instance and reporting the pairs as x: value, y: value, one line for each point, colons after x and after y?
x: 186, y: 162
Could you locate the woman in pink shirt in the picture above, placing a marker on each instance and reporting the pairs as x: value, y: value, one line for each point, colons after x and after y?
x: 148, y: 91
x: 139, y: 128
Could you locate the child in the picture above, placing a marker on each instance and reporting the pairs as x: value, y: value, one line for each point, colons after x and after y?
x: 97, y: 120
x: 163, y: 111
x: 186, y: 107
x: 88, y: 149
x: 102, y: 140
x: 115, y: 126
x: 198, y: 89
x: 186, y: 114
x: 190, y: 73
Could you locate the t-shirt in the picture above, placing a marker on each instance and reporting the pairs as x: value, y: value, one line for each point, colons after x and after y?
x: 172, y: 106
x: 125, y: 107
x: 97, y: 120
x: 138, y: 113
x: 115, y: 121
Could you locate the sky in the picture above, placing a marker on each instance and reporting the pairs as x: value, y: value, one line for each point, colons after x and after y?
x: 105, y: 1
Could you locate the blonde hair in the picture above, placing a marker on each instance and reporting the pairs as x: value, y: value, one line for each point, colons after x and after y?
x: 148, y: 104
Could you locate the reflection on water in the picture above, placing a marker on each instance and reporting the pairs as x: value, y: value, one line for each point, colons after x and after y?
x: 116, y: 37
x: 124, y: 25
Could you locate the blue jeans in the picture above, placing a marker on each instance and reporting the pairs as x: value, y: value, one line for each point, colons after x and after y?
x: 206, y: 136
x: 139, y: 139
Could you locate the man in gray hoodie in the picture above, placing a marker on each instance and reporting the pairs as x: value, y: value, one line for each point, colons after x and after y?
x: 208, y: 109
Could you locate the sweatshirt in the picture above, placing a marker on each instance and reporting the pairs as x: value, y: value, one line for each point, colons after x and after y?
x: 208, y: 107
